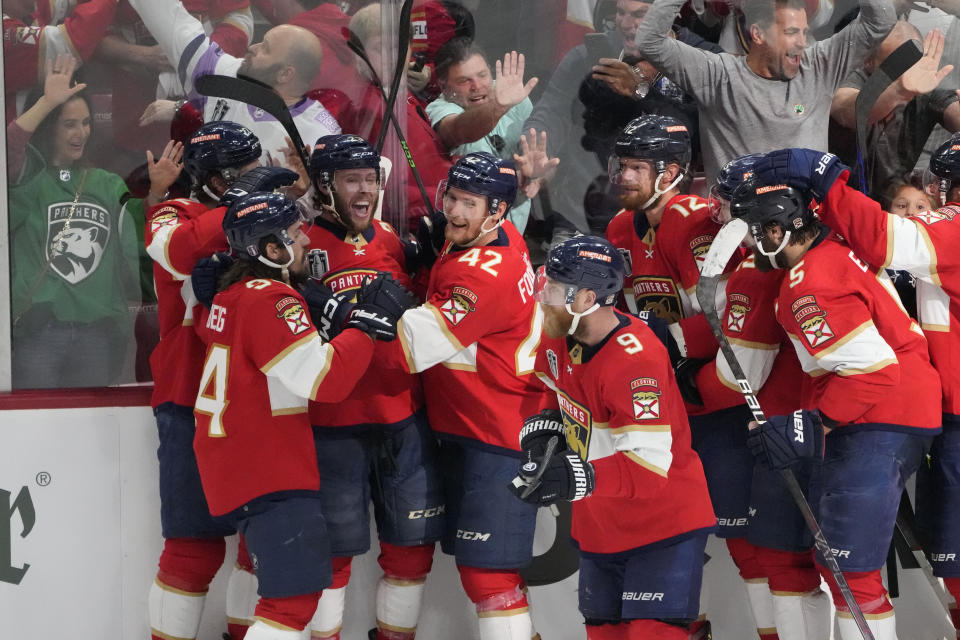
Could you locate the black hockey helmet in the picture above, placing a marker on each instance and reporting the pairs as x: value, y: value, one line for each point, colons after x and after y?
x: 759, y: 204
x: 659, y: 139
x: 256, y: 217
x: 944, y: 171
x: 483, y: 174
x: 583, y: 262
x: 336, y: 152
x: 728, y: 178
x: 219, y: 147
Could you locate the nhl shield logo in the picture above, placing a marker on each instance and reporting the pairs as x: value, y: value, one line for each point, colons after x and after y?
x: 812, y: 320
x: 76, y: 242
x: 646, y: 398
x: 462, y: 301
x: 319, y: 263
x: 553, y: 363
x: 739, y: 306
x: 291, y: 311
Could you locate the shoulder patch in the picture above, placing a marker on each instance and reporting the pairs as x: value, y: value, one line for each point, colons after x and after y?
x: 646, y: 398
x: 461, y: 302
x: 739, y: 306
x: 164, y: 217
x: 948, y: 212
x: 699, y: 246
x: 291, y: 311
x: 812, y: 320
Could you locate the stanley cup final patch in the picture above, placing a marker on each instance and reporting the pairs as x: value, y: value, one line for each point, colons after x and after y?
x: 646, y: 398
x: 739, y: 306
x: 812, y: 320
x: 77, y: 237
x: 291, y: 311
x: 553, y: 363
x: 461, y: 302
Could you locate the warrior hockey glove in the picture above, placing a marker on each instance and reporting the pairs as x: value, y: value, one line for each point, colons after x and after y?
x: 385, y: 293
x: 431, y: 234
x: 537, y: 431
x: 566, y: 477
x: 206, y: 275
x: 258, y: 179
x: 783, y: 440
x: 805, y: 169
x: 328, y: 311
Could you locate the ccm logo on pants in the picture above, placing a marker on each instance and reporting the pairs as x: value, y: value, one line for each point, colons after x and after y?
x: 426, y: 513
x: 472, y: 535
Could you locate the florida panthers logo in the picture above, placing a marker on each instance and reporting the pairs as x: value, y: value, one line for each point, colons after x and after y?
x: 462, y: 301
x: 659, y: 296
x: 291, y: 311
x: 76, y: 242
x: 646, y: 398
x: 578, y: 424
x: 812, y: 320
x: 739, y: 306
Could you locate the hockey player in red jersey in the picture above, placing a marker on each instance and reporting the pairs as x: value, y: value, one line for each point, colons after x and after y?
x: 253, y: 441
x: 375, y: 445
x: 641, y: 511
x: 925, y: 245
x: 661, y: 232
x: 863, y: 355
x: 475, y: 340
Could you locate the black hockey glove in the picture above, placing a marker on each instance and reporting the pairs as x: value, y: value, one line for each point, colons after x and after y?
x: 431, y: 234
x: 206, y: 275
x: 566, y: 477
x: 686, y: 370
x: 783, y: 440
x: 258, y: 179
x: 328, y: 311
x: 805, y: 169
x: 387, y: 294
x: 538, y: 429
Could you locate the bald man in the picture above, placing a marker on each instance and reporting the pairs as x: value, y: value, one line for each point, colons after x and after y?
x: 287, y: 59
x: 905, y: 114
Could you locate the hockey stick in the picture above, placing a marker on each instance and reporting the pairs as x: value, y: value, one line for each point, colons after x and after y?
x: 547, y: 455
x: 906, y: 531
x: 402, y: 45
x: 724, y: 245
x: 904, y: 57
x: 259, y: 95
x: 353, y: 42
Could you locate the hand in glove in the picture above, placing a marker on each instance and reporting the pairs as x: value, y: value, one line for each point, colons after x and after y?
x: 328, y: 311
x: 566, y: 477
x: 206, y: 275
x: 258, y: 179
x: 431, y: 234
x: 380, y: 303
x: 537, y: 431
x: 783, y: 440
x: 805, y: 169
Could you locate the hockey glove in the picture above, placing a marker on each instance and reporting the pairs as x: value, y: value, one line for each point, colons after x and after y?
x: 258, y: 179
x: 538, y: 429
x: 783, y: 440
x: 566, y: 477
x: 686, y: 370
x: 373, y: 321
x: 206, y: 276
x: 328, y: 311
x: 805, y: 169
x: 387, y: 294
x: 431, y: 234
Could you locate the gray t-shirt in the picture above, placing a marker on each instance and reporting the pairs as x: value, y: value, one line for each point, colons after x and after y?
x: 741, y: 112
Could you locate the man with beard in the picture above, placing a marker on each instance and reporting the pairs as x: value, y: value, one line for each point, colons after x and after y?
x: 641, y: 514
x: 376, y: 444
x: 862, y: 355
x: 780, y: 93
x: 286, y: 59
x: 253, y: 440
x: 475, y: 340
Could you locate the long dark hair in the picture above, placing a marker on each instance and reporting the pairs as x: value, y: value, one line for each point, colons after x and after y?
x: 43, y: 137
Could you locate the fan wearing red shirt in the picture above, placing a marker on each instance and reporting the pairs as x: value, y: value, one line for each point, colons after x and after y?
x: 641, y: 511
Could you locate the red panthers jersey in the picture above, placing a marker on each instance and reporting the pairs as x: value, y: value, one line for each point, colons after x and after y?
x: 178, y: 233
x: 926, y: 246
x: 760, y: 344
x: 623, y: 413
x: 866, y: 357
x: 476, y: 340
x: 264, y: 361
x: 386, y: 393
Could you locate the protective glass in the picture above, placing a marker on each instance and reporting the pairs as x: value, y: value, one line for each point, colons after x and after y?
x: 354, y: 180
x: 551, y: 293
x: 627, y: 170
x: 441, y: 191
x: 719, y: 206
x: 935, y: 186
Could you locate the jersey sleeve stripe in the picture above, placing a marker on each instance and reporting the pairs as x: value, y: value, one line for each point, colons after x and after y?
x: 860, y: 349
x: 757, y: 362
x: 649, y: 466
x: 640, y: 428
x: 265, y: 369
x: 547, y: 382
x: 324, y: 370
x: 434, y: 342
x: 876, y: 367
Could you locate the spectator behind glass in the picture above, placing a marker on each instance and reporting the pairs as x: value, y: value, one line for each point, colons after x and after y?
x: 578, y: 193
x: 73, y: 248
x: 474, y: 113
x: 776, y: 96
x: 904, y: 115
x: 31, y: 29
x: 434, y: 23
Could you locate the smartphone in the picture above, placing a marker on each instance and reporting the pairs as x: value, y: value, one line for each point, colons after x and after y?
x: 598, y: 46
